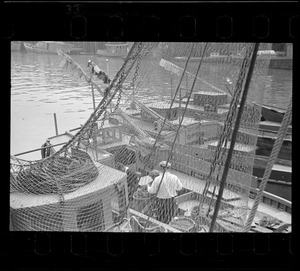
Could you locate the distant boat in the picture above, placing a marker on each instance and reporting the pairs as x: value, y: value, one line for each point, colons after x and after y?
x: 213, y: 57
x: 270, y: 113
x: 51, y: 47
x: 214, y: 54
x: 119, y: 50
x: 17, y: 46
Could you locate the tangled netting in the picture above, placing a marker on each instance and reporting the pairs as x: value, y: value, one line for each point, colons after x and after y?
x: 56, y: 175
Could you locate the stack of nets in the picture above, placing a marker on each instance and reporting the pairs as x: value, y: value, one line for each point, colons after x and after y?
x: 57, y: 175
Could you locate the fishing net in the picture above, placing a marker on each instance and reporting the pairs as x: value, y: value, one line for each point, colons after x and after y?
x: 175, y: 102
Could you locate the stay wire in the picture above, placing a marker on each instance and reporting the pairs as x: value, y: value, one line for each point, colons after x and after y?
x: 234, y: 136
x: 181, y: 120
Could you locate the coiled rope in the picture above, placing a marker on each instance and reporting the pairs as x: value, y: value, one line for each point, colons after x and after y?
x: 275, y: 151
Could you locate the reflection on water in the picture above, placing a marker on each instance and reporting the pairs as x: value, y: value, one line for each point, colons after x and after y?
x: 40, y: 88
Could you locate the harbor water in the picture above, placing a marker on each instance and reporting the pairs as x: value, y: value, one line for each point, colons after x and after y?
x: 40, y: 88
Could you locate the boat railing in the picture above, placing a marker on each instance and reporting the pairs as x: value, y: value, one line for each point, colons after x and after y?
x: 266, y: 132
x: 273, y: 200
x: 51, y: 146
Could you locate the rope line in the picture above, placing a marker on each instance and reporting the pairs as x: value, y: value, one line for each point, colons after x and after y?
x: 181, y: 120
x: 275, y: 151
x: 234, y: 136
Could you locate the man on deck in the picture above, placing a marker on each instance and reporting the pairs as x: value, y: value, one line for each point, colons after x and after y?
x: 168, y: 188
x: 132, y: 179
x: 46, y: 151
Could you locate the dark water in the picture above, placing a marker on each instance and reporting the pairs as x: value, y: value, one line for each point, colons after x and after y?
x: 40, y: 88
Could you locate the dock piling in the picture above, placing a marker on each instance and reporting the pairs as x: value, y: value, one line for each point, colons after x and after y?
x: 55, y: 122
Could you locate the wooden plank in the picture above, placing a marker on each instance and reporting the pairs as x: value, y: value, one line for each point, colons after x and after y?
x: 227, y: 196
x: 273, y: 126
x: 258, y: 228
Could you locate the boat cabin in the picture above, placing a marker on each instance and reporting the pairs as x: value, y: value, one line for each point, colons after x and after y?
x: 208, y: 97
x: 194, y: 132
x: 162, y: 109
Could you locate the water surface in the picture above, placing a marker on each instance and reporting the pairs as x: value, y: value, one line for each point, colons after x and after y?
x: 40, y: 88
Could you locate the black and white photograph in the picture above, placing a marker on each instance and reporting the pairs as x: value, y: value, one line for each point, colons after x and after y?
x: 167, y: 137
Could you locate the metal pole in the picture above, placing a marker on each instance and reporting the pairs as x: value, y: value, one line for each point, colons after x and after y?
x: 187, y: 82
x: 179, y: 115
x: 107, y: 69
x: 171, y: 83
x: 233, y: 138
x: 93, y: 95
x: 55, y: 122
x: 107, y: 72
x: 39, y: 149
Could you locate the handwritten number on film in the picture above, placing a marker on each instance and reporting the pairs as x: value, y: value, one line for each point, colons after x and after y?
x: 73, y: 9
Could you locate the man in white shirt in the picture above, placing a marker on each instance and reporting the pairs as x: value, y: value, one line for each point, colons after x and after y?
x: 168, y: 188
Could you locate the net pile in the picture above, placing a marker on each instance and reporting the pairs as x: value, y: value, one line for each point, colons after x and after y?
x: 169, y: 101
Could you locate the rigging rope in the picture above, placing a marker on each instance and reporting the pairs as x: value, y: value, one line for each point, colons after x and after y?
x: 229, y: 119
x: 234, y: 136
x: 172, y: 102
x: 107, y: 98
x: 159, y: 133
x: 275, y: 151
x: 226, y: 130
x: 181, y: 120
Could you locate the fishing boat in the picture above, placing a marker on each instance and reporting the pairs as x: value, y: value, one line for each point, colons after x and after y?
x: 273, y: 114
x: 64, y: 191
x: 276, y: 61
x: 114, y: 49
x: 202, y: 132
x: 109, y: 141
x: 51, y: 47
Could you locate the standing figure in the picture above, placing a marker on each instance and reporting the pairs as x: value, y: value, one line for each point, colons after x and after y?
x: 132, y: 179
x: 157, y: 125
x: 46, y: 151
x: 169, y: 186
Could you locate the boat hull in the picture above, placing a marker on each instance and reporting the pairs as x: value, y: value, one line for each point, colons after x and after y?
x: 18, y: 46
x: 31, y: 48
x: 284, y: 63
x: 102, y: 53
x: 265, y: 146
x: 271, y: 114
x: 76, y: 51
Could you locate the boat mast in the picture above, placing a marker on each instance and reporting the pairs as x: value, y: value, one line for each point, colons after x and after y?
x: 234, y: 136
